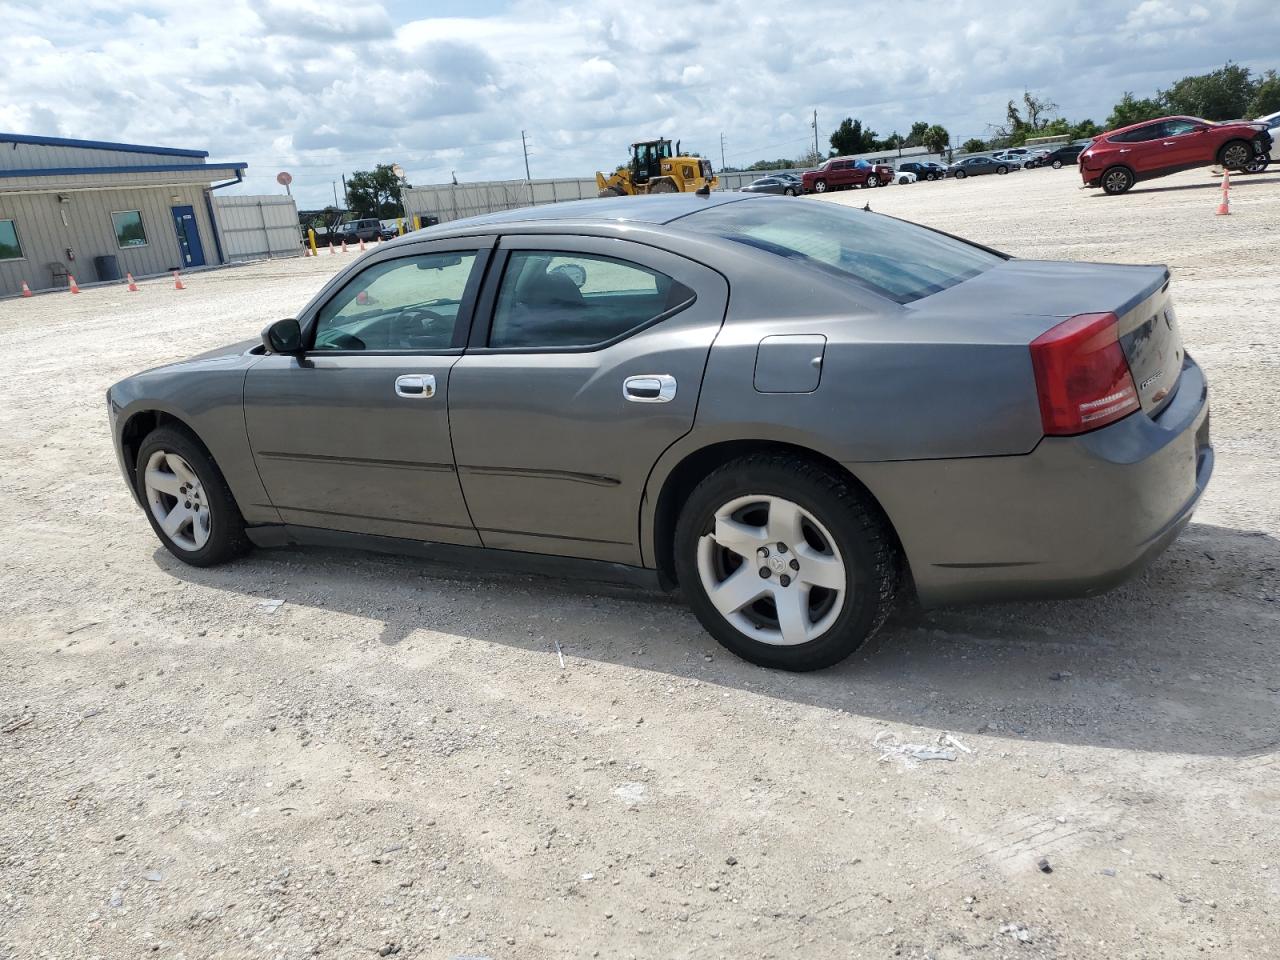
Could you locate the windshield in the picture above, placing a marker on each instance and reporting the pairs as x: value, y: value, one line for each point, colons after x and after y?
x: 896, y: 259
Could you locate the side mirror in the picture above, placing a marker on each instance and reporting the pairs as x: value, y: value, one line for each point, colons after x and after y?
x: 283, y: 336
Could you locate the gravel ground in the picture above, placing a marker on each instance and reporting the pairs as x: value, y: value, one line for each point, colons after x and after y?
x: 394, y: 761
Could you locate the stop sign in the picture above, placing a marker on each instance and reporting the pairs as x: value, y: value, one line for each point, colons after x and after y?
x: 284, y: 179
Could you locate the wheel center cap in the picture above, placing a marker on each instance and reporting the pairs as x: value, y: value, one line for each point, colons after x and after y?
x: 779, y: 564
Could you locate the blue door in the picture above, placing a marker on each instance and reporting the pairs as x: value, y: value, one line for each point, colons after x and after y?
x: 184, y: 219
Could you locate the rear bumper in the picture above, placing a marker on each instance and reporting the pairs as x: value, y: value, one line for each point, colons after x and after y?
x: 1075, y: 517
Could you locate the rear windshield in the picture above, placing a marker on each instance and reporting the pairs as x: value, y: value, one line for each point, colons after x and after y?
x: 898, y: 260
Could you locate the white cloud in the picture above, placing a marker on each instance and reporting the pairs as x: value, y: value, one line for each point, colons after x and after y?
x: 320, y: 87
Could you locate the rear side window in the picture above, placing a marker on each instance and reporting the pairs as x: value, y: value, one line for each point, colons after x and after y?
x: 1141, y: 135
x: 895, y: 259
x: 556, y: 300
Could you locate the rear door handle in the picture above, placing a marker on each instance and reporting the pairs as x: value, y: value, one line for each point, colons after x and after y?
x: 416, y: 386
x: 650, y: 388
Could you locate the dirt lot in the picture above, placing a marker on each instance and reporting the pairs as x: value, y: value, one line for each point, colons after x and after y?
x: 395, y: 762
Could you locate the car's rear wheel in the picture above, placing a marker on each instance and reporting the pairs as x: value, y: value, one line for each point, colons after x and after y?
x: 1117, y: 180
x: 187, y: 500
x: 785, y: 562
x: 1002, y: 170
x: 1235, y: 154
x: 788, y: 192
x: 819, y: 186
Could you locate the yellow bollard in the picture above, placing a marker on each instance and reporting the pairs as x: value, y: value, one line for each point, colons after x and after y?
x: 399, y: 226
x: 417, y: 222
x: 311, y: 238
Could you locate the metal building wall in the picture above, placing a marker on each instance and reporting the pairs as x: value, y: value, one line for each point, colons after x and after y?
x: 87, y: 229
x: 254, y: 228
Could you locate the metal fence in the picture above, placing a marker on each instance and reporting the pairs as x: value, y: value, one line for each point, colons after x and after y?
x: 256, y: 228
x: 453, y: 201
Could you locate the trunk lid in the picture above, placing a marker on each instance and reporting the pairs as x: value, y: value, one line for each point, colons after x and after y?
x: 1024, y: 298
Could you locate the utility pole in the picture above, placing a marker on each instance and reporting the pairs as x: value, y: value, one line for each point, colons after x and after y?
x: 722, y: 151
x: 525, y: 144
x: 816, y: 152
x: 344, y: 191
x: 335, y: 194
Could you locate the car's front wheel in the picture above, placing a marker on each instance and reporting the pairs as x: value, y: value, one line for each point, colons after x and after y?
x: 785, y: 562
x: 187, y: 500
x: 960, y: 174
x: 1057, y: 164
x: 1002, y: 170
x: 1117, y: 180
x: 1235, y: 155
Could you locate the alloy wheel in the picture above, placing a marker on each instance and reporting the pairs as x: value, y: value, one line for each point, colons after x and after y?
x: 772, y: 570
x: 1236, y: 155
x: 177, y: 499
x: 1117, y: 181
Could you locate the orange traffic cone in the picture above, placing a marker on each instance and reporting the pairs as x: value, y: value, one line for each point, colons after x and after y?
x: 133, y: 287
x: 1224, y: 208
x: 332, y: 251
x: 26, y: 291
x: 177, y: 281
x: 344, y: 246
x: 362, y: 244
x: 71, y: 283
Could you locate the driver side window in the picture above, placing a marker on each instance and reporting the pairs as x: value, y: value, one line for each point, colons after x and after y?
x: 409, y: 304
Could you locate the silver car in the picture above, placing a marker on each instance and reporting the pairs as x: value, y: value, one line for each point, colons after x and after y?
x: 797, y: 412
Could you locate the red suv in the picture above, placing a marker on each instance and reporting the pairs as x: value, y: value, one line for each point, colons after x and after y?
x: 841, y: 173
x: 1117, y: 160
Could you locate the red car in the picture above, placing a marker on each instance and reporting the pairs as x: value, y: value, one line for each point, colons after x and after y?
x: 1117, y: 160
x: 841, y: 173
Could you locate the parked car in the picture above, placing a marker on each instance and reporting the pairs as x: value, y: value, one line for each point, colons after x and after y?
x: 388, y: 229
x: 904, y: 176
x: 976, y: 166
x: 773, y: 184
x: 924, y: 169
x: 644, y: 387
x: 1034, y: 158
x: 1272, y: 120
x: 356, y: 230
x: 1066, y: 154
x: 1120, y: 158
x: 842, y: 173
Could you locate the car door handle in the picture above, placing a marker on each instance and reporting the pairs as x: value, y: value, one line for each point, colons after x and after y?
x: 416, y: 386
x: 650, y: 388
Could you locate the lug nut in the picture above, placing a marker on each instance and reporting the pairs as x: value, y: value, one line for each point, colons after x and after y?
x: 785, y: 580
x: 764, y: 573
x: 795, y: 564
x: 782, y: 547
x: 763, y: 551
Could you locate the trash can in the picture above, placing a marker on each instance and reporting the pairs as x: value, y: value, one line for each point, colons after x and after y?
x: 108, y: 267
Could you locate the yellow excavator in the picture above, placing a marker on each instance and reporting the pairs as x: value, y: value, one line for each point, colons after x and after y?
x: 655, y: 168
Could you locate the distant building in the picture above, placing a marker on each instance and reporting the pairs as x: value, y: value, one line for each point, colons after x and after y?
x: 98, y: 210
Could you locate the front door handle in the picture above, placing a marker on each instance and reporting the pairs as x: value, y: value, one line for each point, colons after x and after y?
x: 416, y: 386
x: 650, y: 388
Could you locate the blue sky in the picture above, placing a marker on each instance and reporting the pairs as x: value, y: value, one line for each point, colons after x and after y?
x: 318, y: 88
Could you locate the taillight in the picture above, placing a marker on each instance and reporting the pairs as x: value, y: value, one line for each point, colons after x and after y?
x: 1082, y: 376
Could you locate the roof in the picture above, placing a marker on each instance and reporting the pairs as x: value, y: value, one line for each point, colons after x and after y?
x: 98, y: 145
x: 657, y: 208
x: 154, y: 168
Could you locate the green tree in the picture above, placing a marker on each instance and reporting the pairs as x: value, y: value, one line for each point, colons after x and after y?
x: 376, y: 193
x: 935, y: 138
x: 1266, y: 95
x: 1223, y: 94
x: 851, y: 138
x: 1085, y: 129
x: 973, y: 145
x: 916, y: 137
x: 892, y: 142
x: 1132, y: 110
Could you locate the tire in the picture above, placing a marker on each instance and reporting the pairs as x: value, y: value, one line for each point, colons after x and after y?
x: 1235, y: 154
x: 873, y: 181
x: 788, y: 192
x: 213, y: 531
x: 663, y: 185
x: 610, y: 192
x: 1117, y: 180
x: 1258, y: 164
x: 819, y: 186
x: 932, y: 176
x: 960, y: 174
x: 840, y: 536
x: 1002, y: 170
x: 903, y: 181
x: 1057, y: 164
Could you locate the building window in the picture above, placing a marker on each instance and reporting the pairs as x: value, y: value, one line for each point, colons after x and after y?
x: 129, y: 232
x: 10, y: 248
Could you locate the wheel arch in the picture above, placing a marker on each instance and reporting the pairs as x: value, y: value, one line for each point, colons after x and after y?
x: 678, y: 481
x: 140, y: 424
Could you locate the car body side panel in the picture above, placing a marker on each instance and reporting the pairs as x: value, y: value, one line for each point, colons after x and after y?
x: 205, y: 394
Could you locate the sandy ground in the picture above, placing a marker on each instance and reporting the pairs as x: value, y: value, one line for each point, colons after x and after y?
x: 394, y: 762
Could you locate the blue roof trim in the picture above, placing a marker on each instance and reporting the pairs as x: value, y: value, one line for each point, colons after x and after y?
x: 155, y: 168
x: 98, y: 145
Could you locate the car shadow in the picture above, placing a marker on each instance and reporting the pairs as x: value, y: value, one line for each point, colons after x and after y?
x: 1181, y: 660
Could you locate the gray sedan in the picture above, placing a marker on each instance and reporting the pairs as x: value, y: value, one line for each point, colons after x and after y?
x: 798, y: 412
x: 785, y: 186
x: 976, y: 166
